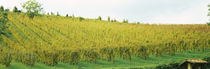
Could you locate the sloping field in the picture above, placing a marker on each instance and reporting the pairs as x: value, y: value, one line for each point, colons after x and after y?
x: 52, y: 39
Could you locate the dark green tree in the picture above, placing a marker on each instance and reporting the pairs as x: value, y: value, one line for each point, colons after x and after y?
x: 81, y: 18
x: 67, y: 15
x: 33, y: 8
x: 114, y: 20
x: 16, y: 10
x: 6, y: 10
x: 52, y: 13
x: 57, y: 14
x: 125, y: 21
x: 48, y: 13
x: 108, y: 19
x: 99, y: 18
x: 1, y: 8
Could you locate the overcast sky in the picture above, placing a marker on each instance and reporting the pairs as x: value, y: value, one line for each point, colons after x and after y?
x: 147, y: 11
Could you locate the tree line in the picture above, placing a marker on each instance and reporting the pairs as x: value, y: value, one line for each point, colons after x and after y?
x: 34, y: 8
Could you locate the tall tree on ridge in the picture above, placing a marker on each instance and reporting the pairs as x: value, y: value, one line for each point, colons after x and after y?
x: 33, y: 8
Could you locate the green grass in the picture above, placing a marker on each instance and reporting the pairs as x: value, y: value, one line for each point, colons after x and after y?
x: 119, y: 63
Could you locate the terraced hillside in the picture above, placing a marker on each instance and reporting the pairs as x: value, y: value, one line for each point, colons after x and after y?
x: 50, y: 39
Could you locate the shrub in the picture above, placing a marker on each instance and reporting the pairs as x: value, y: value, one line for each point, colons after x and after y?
x: 81, y: 18
x: 208, y: 23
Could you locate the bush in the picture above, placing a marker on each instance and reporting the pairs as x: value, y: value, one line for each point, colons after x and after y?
x: 81, y: 18
x: 208, y: 23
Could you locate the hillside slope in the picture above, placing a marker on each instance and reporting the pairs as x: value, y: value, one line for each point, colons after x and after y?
x: 51, y: 39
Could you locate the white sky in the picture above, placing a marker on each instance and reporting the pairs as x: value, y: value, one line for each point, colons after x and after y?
x: 147, y: 11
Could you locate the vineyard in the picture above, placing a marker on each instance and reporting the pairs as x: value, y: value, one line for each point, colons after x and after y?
x: 51, y: 39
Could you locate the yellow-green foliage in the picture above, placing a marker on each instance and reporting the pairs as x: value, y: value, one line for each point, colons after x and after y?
x: 5, y: 57
x: 55, y: 38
